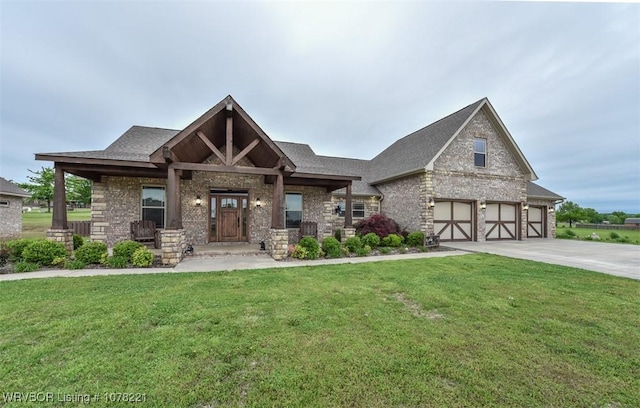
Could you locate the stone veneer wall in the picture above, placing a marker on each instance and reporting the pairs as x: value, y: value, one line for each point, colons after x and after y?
x: 313, y: 209
x: 11, y: 217
x: 65, y: 237
x: 371, y: 207
x: 404, y: 201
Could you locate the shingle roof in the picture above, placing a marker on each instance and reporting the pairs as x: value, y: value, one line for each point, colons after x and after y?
x: 536, y: 191
x: 413, y: 152
x: 10, y: 189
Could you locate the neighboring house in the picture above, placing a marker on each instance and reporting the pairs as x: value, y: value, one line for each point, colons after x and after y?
x: 632, y: 222
x: 11, y: 209
x: 222, y: 179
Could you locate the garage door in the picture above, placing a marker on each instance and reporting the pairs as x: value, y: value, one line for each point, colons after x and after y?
x: 453, y: 220
x: 535, y: 222
x: 501, y: 221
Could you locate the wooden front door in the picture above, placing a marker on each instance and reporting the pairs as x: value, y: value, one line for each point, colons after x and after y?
x: 230, y: 218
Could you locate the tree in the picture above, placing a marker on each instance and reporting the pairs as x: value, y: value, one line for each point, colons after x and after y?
x: 592, y: 216
x: 78, y: 189
x: 40, y: 185
x: 570, y: 212
x: 618, y: 217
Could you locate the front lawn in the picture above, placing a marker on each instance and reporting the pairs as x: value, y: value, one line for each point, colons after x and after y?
x: 473, y: 330
x: 35, y: 223
x: 600, y: 235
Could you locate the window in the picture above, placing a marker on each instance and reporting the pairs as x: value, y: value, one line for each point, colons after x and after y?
x: 153, y: 204
x: 293, y: 210
x: 480, y: 152
x: 4, y: 203
x: 357, y: 209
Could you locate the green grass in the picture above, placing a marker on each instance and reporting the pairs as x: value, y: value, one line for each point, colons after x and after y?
x: 632, y: 235
x: 473, y: 330
x: 35, y: 224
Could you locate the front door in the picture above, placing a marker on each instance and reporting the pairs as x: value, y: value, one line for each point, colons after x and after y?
x: 229, y: 219
x: 229, y: 215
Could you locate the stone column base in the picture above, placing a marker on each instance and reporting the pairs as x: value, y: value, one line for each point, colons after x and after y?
x: 64, y: 236
x: 173, y: 243
x: 348, y: 232
x: 279, y: 243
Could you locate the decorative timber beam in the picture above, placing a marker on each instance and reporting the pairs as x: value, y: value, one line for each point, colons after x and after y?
x: 211, y: 146
x: 225, y: 169
x: 348, y: 222
x: 169, y: 155
x: 174, y: 213
x: 229, y: 134
x: 277, y: 212
x: 245, y: 151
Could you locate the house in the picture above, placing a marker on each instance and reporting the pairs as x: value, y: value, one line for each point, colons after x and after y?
x: 632, y: 222
x: 11, y: 209
x: 222, y: 179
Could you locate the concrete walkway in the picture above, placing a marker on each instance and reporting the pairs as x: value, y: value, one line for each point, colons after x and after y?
x: 221, y: 263
x: 613, y: 259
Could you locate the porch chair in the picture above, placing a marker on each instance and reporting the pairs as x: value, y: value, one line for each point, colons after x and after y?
x: 144, y: 231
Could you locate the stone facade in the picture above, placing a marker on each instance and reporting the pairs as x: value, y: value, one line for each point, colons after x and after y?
x: 404, y: 201
x: 173, y: 244
x: 278, y: 243
x: 371, y: 206
x: 10, y: 217
x: 63, y: 236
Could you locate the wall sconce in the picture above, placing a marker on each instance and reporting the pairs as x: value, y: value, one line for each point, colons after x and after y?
x: 337, y: 209
x: 258, y: 202
x: 198, y: 201
x: 483, y: 205
x: 525, y: 206
x: 431, y: 203
x: 551, y: 210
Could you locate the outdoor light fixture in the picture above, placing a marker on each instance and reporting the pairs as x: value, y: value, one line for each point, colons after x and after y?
x: 258, y: 203
x: 551, y: 209
x: 198, y: 201
x: 483, y: 205
x: 337, y: 209
x: 525, y: 206
x: 432, y: 202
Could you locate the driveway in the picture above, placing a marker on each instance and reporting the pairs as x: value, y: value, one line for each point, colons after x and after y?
x: 613, y: 259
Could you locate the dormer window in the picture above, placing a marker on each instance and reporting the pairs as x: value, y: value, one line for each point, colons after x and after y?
x: 480, y: 152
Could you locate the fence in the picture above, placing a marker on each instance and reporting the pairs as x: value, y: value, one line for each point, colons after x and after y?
x: 82, y: 228
x: 609, y: 227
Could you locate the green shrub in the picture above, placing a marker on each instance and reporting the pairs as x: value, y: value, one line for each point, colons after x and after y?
x: 78, y: 241
x: 311, y: 245
x: 142, y: 257
x: 5, y: 253
x: 126, y: 249
x: 415, y: 239
x: 569, y: 233
x: 300, y: 252
x: 385, y: 250
x: 91, y: 252
x: 363, y: 250
x: 392, y: 240
x: 371, y: 239
x: 74, y: 264
x: 332, y: 247
x: 43, y: 252
x: 116, y: 262
x: 353, y: 243
x: 16, y: 246
x: 338, y: 235
x: 24, y: 266
x: 614, y: 235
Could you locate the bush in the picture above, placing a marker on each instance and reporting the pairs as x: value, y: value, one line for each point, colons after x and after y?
x: 570, y: 233
x: 392, y: 240
x: 74, y: 264
x: 300, y: 252
x: 126, y: 249
x: 23, y: 266
x: 614, y: 235
x: 5, y: 253
x: 385, y: 250
x: 379, y: 224
x: 331, y: 246
x: 116, y: 262
x: 371, y: 239
x: 353, y: 243
x: 338, y: 235
x: 16, y: 247
x: 78, y: 241
x: 415, y: 239
x: 363, y: 250
x: 311, y: 245
x: 142, y: 257
x: 43, y: 252
x: 91, y: 252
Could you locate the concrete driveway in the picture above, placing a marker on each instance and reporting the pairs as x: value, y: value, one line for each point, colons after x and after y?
x: 613, y: 259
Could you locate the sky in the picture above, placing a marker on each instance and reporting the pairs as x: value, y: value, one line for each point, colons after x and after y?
x: 348, y: 78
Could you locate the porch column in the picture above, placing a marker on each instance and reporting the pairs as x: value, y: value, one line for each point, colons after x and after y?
x: 277, y: 212
x: 174, y: 211
x: 348, y: 221
x: 59, y: 221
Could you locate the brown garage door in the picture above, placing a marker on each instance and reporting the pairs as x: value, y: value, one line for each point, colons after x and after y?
x: 536, y: 222
x: 501, y: 221
x: 453, y: 220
